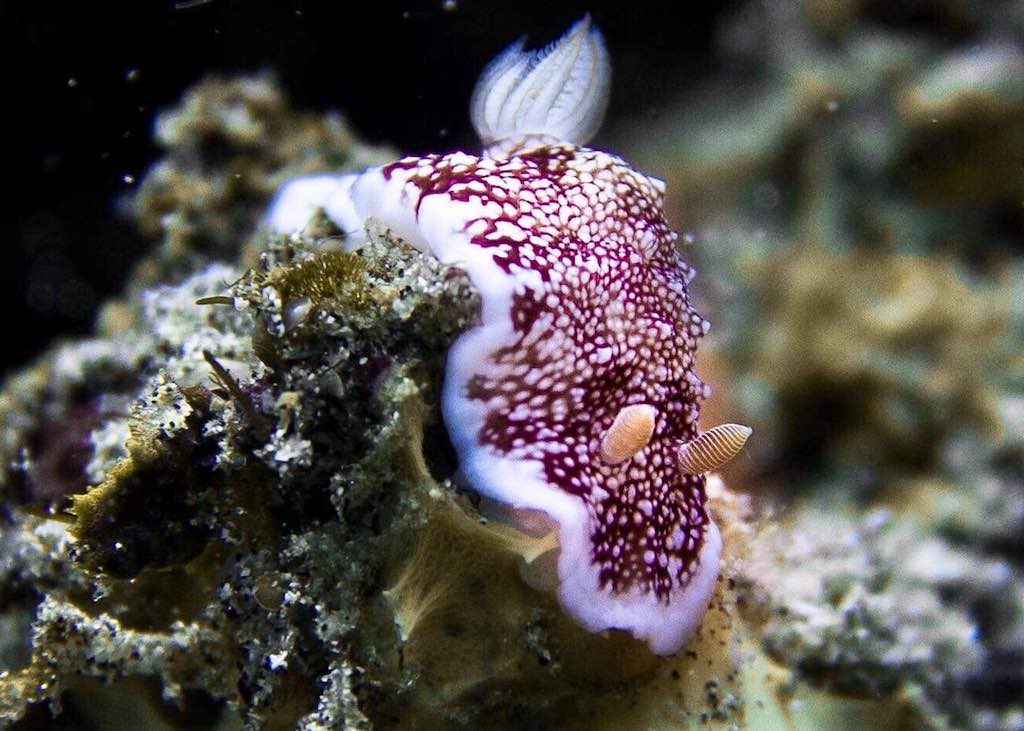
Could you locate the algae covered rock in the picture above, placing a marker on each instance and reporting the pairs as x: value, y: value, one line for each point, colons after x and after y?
x: 210, y: 484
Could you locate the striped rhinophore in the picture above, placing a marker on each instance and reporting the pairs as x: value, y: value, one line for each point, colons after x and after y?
x: 713, y: 448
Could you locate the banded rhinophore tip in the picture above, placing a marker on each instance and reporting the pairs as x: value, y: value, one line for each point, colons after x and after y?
x: 556, y: 94
x: 629, y: 433
x: 713, y: 448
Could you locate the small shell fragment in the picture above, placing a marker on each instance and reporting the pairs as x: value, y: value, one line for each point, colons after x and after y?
x: 629, y: 433
x: 713, y: 448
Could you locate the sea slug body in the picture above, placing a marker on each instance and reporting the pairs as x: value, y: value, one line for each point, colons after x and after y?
x: 576, y: 391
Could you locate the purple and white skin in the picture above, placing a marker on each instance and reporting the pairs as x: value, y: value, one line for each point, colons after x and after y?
x: 576, y: 391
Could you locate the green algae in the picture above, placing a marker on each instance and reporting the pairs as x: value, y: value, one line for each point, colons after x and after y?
x: 162, y: 475
x: 330, y: 279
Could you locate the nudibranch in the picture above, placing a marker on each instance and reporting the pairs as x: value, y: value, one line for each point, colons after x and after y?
x: 575, y: 395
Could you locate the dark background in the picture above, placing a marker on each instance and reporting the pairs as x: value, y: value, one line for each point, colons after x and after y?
x: 84, y: 80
